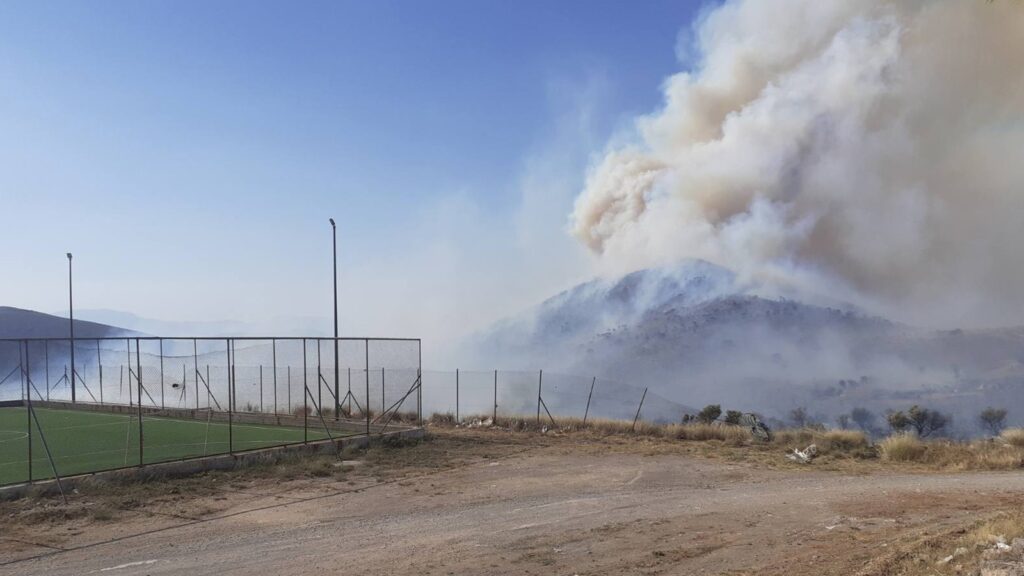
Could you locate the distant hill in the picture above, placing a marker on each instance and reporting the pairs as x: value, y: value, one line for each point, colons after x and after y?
x: 696, y: 335
x: 20, y: 323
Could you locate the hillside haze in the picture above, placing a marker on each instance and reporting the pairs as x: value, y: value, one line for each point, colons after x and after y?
x: 696, y: 334
x: 20, y: 323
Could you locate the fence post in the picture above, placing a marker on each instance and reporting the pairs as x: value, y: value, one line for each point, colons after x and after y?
x: 28, y: 409
x: 138, y: 381
x: 366, y: 349
x: 589, y: 396
x: 419, y: 376
x: 27, y: 377
x: 162, y: 405
x: 195, y: 370
x: 456, y: 395
x: 46, y: 356
x: 273, y: 351
x: 319, y: 382
x: 261, y: 388
x: 227, y: 350
x: 540, y: 385
x: 305, y: 386
x: 383, y: 404
x: 494, y: 417
x: 635, y: 418
x: 128, y: 345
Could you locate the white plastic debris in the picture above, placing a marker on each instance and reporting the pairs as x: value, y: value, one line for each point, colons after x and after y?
x: 804, y: 456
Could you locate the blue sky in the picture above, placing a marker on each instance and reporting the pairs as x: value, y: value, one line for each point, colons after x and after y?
x: 190, y: 153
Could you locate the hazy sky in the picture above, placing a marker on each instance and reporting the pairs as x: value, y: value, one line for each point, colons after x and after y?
x: 190, y: 153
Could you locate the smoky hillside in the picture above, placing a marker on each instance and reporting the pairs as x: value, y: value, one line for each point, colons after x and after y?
x: 697, y: 335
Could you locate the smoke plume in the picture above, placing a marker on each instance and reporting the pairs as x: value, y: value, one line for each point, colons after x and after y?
x: 863, y: 148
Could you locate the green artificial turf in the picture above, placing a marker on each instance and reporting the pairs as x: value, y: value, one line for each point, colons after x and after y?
x: 85, y: 441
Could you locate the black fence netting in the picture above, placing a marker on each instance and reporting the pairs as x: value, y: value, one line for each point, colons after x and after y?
x: 112, y: 403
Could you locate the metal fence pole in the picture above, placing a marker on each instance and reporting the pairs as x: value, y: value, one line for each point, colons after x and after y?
x: 337, y: 374
x: 366, y: 349
x: 46, y: 354
x: 419, y: 377
x: 540, y: 386
x: 383, y: 403
x: 195, y: 366
x: 28, y: 409
x: 319, y: 381
x: 494, y: 417
x: 138, y: 381
x: 305, y: 385
x: 162, y: 404
x: 261, y: 388
x: 273, y: 349
x: 589, y: 396
x: 635, y: 418
x: 99, y: 364
x: 456, y: 395
x: 228, y: 351
x: 128, y: 345
x: 27, y: 376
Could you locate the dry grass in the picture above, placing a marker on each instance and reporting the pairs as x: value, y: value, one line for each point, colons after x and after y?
x: 735, y: 435
x: 835, y: 442
x: 1013, y: 437
x: 736, y: 442
x: 902, y: 448
x: 951, y: 455
x: 955, y: 552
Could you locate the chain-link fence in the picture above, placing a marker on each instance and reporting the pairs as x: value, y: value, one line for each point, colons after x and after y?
x: 548, y: 396
x: 109, y: 403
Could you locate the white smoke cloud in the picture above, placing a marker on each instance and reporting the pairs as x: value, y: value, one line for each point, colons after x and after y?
x: 866, y: 148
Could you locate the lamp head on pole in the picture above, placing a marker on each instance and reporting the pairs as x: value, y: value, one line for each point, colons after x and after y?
x: 69, y: 255
x: 332, y: 222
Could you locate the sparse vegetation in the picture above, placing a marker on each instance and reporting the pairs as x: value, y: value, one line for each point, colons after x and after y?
x: 993, y: 420
x: 951, y: 455
x: 1013, y: 437
x: 924, y: 421
x: 709, y: 413
x: 733, y: 417
x: 901, y: 447
x: 905, y: 447
x: 950, y: 553
x: 864, y: 419
x: 798, y: 417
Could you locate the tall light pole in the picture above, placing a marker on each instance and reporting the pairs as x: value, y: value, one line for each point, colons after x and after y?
x: 71, y: 324
x: 334, y: 243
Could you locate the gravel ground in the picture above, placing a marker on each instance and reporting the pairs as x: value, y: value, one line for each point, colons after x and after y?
x: 515, y: 505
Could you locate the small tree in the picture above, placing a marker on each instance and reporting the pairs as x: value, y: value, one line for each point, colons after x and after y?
x: 927, y: 422
x: 799, y: 416
x: 710, y: 413
x: 993, y: 419
x: 733, y: 416
x: 843, y: 420
x: 898, y: 421
x: 863, y: 418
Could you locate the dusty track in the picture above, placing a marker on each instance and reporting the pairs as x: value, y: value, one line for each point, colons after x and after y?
x: 559, y: 508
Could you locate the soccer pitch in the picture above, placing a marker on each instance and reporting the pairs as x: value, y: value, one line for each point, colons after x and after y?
x: 87, y: 441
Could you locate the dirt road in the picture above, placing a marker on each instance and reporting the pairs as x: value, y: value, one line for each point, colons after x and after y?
x: 552, y: 509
